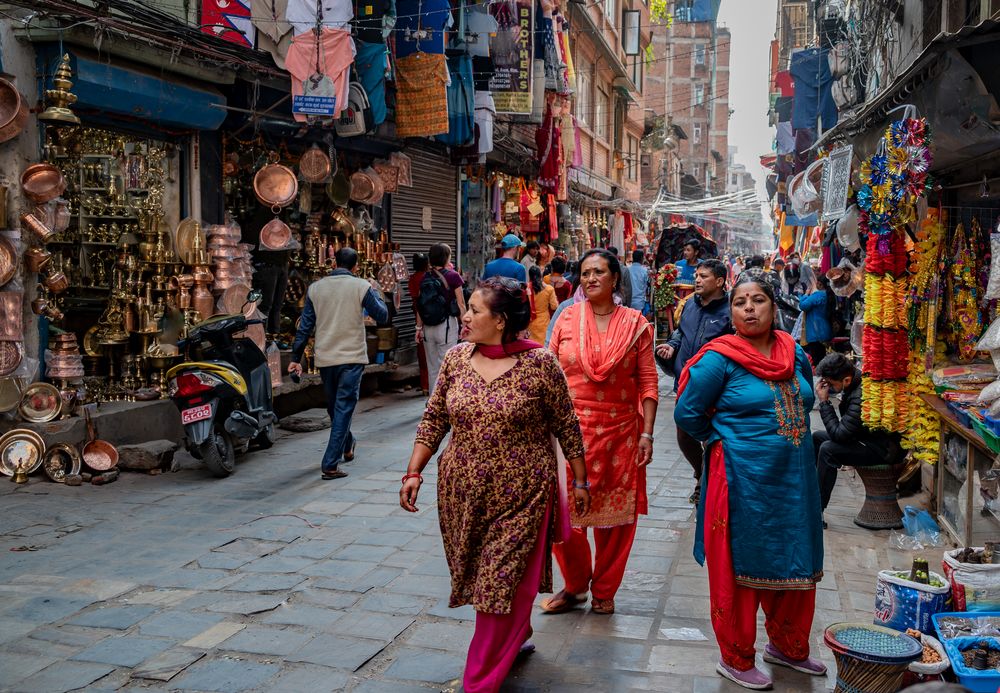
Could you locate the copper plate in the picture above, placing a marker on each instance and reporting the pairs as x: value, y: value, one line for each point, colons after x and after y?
x: 100, y: 455
x: 61, y: 460
x: 19, y: 446
x: 314, y: 165
x: 11, y: 310
x: 275, y: 235
x: 91, y: 345
x: 185, y: 236
x: 10, y: 394
x: 42, y: 183
x: 362, y: 186
x: 275, y: 185
x: 389, y: 175
x: 233, y: 299
x: 40, y: 402
x: 8, y: 260
x: 10, y: 357
x: 13, y: 111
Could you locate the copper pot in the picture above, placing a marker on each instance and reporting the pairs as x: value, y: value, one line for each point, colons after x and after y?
x: 275, y: 235
x: 57, y: 282
x: 42, y: 183
x: 314, y: 165
x: 13, y: 111
x: 37, y: 259
x: 62, y: 216
x: 39, y: 305
x: 37, y: 227
x: 275, y: 185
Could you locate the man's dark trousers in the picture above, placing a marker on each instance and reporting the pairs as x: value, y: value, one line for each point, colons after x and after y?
x: 831, y: 455
x: 342, y: 385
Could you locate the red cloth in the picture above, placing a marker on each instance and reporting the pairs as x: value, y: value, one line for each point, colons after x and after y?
x: 788, y: 613
x: 498, y: 637
x: 548, y: 144
x: 601, y: 575
x: 413, y: 287
x: 784, y: 83
x: 780, y: 367
x: 500, y: 351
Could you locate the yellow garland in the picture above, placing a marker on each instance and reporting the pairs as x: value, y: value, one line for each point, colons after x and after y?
x: 885, y: 301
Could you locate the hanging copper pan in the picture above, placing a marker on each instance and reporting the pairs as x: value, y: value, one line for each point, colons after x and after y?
x: 314, y: 165
x: 362, y: 187
x: 42, y: 183
x: 338, y: 189
x: 275, y: 235
x: 13, y: 111
x: 275, y: 185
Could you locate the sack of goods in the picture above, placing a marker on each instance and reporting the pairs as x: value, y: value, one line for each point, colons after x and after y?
x: 901, y: 603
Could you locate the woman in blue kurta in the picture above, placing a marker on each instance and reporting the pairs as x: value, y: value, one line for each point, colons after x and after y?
x: 748, y: 397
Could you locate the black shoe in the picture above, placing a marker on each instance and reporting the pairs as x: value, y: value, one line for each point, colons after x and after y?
x: 335, y: 474
x: 696, y: 496
x: 349, y: 455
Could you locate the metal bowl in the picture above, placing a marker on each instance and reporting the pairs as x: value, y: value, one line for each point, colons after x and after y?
x: 275, y: 185
x: 42, y: 183
x: 13, y: 111
x: 275, y: 235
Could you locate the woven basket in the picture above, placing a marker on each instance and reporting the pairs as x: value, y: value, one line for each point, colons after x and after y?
x: 870, y: 659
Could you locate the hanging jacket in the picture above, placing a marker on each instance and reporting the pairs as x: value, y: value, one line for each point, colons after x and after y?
x: 818, y: 328
x: 848, y: 428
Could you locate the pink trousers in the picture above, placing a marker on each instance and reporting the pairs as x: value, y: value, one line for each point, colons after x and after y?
x: 498, y: 637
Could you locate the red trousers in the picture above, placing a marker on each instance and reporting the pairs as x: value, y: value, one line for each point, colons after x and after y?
x: 602, y: 575
x: 422, y: 363
x: 788, y: 614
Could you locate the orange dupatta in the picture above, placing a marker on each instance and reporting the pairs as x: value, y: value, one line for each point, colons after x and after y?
x: 626, y: 326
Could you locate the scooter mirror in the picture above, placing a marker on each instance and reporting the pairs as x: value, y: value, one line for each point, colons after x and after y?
x: 254, y: 296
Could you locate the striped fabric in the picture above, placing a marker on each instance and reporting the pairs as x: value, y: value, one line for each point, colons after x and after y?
x: 421, y: 95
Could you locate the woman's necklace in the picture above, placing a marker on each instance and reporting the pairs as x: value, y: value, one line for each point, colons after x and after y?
x: 601, y: 315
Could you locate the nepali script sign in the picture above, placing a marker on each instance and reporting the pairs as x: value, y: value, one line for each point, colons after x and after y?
x: 512, y: 50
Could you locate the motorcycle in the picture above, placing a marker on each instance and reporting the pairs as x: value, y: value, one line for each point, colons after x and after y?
x: 224, y: 395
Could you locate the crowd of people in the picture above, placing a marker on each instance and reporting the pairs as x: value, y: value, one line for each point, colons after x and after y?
x: 546, y: 379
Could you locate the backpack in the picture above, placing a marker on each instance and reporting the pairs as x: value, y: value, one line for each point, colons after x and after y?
x: 432, y: 301
x: 356, y: 118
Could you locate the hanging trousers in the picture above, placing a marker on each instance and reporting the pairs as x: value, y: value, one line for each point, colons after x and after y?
x: 788, y: 614
x: 602, y: 574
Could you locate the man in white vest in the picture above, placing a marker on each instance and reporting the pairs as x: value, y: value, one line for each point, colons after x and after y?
x: 335, y: 307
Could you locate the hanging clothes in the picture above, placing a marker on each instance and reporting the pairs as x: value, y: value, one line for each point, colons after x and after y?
x: 277, y: 50
x: 461, y: 103
x: 486, y: 111
x: 373, y: 20
x: 421, y: 95
x: 304, y: 15
x: 479, y: 25
x: 268, y: 16
x: 371, y: 64
x: 413, y: 16
x: 330, y: 54
x: 548, y: 142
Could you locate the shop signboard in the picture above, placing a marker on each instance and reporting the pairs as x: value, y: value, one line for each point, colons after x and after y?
x: 229, y: 20
x: 836, y: 181
x: 512, y: 50
x: 307, y: 104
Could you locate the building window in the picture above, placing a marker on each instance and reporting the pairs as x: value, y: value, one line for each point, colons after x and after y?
x: 683, y: 10
x: 697, y: 133
x: 699, y: 94
x: 632, y: 164
x: 699, y: 54
x: 583, y: 101
x: 602, y: 104
x: 610, y: 11
x: 735, y: 179
x: 638, y: 69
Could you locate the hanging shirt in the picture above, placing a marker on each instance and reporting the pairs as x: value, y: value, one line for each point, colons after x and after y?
x: 302, y: 14
x: 373, y: 20
x: 431, y: 16
x: 371, y: 64
x: 335, y: 54
x: 479, y: 24
x: 485, y: 112
x: 421, y: 95
x: 269, y: 18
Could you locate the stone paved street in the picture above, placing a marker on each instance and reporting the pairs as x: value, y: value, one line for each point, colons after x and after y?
x: 274, y: 580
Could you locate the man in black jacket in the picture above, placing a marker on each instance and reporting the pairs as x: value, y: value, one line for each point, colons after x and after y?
x: 846, y: 440
x: 704, y: 317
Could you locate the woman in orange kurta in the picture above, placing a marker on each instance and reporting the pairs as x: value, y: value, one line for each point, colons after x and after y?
x: 606, y: 351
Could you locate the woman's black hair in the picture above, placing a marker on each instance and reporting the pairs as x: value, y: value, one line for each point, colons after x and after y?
x: 558, y: 264
x: 750, y: 278
x: 509, y: 299
x: 535, y: 277
x: 613, y: 264
x: 420, y: 262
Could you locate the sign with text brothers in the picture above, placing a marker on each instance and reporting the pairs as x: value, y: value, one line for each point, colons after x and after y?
x: 512, y: 51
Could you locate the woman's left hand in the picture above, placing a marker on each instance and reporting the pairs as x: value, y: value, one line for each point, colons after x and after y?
x: 645, y: 451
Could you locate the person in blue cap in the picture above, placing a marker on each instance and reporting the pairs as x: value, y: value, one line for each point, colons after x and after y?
x: 507, y: 265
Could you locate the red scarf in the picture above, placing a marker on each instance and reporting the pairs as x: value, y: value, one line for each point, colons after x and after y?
x: 624, y: 329
x: 502, y: 351
x: 778, y: 368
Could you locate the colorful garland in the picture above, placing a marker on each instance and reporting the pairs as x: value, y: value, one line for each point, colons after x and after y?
x: 664, y: 296
x: 966, y: 322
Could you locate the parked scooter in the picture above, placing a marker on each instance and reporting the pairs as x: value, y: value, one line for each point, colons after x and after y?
x: 224, y: 394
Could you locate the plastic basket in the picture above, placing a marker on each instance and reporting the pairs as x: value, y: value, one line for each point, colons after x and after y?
x: 991, y: 439
x: 961, y: 414
x: 974, y: 616
x: 991, y: 423
x: 976, y: 681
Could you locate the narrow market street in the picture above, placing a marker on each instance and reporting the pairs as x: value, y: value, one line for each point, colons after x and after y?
x: 273, y: 580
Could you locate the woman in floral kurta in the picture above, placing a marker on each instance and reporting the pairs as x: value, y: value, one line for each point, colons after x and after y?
x: 497, y: 482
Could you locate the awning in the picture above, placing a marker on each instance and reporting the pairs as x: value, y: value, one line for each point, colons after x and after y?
x: 134, y: 93
x: 954, y: 83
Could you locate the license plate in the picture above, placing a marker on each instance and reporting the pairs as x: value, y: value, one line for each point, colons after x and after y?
x: 196, y: 414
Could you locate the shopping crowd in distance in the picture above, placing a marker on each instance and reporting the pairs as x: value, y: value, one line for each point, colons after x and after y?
x: 545, y: 374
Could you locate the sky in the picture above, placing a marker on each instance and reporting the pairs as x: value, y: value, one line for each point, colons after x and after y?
x: 752, y: 24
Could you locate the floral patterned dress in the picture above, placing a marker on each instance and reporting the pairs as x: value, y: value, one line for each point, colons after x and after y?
x: 497, y: 476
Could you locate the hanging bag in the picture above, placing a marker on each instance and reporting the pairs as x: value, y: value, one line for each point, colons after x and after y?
x: 356, y: 118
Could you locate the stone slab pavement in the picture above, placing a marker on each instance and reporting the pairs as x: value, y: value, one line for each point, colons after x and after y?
x: 273, y: 580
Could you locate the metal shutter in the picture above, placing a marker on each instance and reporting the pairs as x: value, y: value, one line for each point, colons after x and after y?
x: 435, y: 185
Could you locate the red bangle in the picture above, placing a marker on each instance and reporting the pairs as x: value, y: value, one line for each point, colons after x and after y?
x: 412, y: 476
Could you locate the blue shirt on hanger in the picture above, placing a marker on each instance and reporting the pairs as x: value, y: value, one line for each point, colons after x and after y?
x: 431, y: 16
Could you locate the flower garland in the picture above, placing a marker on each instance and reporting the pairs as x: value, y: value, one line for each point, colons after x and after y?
x: 664, y: 296
x: 893, y: 179
x: 966, y: 322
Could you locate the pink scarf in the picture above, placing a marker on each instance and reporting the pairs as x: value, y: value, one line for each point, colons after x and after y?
x: 502, y: 351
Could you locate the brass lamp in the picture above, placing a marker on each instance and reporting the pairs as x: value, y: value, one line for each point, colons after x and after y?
x: 60, y: 98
